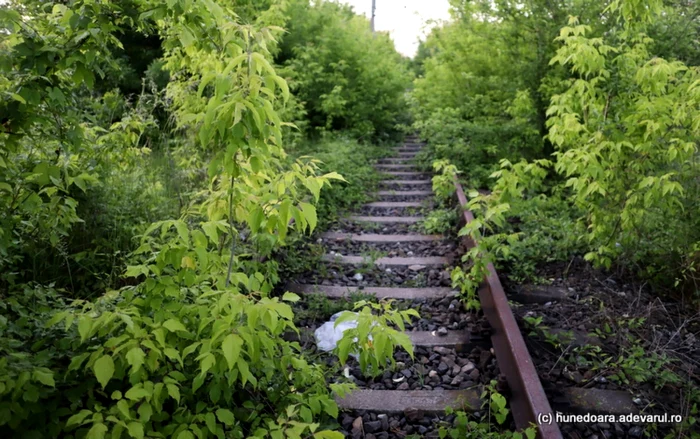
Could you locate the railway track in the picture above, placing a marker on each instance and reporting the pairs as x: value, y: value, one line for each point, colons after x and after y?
x: 457, y: 353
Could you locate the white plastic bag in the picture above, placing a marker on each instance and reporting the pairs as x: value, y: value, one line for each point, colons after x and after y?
x: 328, y: 335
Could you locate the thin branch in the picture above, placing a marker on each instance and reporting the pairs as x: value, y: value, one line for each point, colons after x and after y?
x: 231, y: 231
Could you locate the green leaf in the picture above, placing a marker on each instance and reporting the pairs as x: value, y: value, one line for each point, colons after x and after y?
x: 135, y: 358
x: 174, y: 392
x: 58, y: 317
x: 135, y: 430
x: 145, y: 412
x: 186, y: 434
x: 225, y: 416
x: 97, y: 431
x: 405, y: 342
x: 210, y: 420
x: 309, y: 212
x: 255, y: 219
x: 186, y: 37
x: 173, y: 325
x: 44, y: 376
x: 314, y: 187
x: 18, y: 98
x: 334, y: 176
x: 327, y: 434
x: 78, y: 418
x: 183, y: 232
x: 104, y: 369
x: 137, y: 392
x: 211, y: 229
x: 231, y: 346
x: 290, y: 297
x: 331, y: 408
x: 84, y: 327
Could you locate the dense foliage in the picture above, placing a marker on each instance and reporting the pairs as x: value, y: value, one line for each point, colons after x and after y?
x: 144, y: 185
x: 601, y: 99
x: 345, y: 77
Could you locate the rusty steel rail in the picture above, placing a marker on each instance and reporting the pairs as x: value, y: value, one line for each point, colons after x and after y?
x: 528, y: 399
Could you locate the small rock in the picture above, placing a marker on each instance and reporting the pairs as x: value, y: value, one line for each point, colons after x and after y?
x: 636, y: 431
x: 484, y: 359
x: 358, y: 277
x: 637, y: 401
x: 474, y: 374
x: 456, y: 369
x: 357, y: 424
x: 468, y: 367
x: 384, y: 419
x: 442, y: 367
x: 388, y: 270
x: 406, y: 373
x: 372, y: 427
x: 416, y: 267
x: 442, y: 331
x: 404, y: 386
x: 409, y: 253
x: 347, y: 422
x: 456, y: 381
x: 432, y: 374
x: 619, y: 431
x: 413, y: 414
x: 441, y: 350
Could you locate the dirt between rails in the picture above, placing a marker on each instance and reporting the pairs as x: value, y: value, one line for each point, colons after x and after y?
x: 379, y: 228
x: 640, y: 343
x: 446, y: 248
x: 418, y: 276
x: 399, y: 197
x: 396, y: 211
x: 405, y: 175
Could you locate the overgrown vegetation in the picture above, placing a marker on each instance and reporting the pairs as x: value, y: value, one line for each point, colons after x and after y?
x: 578, y: 122
x: 579, y: 113
x: 145, y: 184
x: 354, y: 160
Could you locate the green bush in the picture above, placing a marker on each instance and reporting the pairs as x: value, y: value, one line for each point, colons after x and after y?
x: 346, y: 77
x: 351, y: 159
x: 618, y: 122
x: 548, y: 231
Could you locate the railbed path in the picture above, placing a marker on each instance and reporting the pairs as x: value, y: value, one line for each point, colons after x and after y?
x: 460, y: 390
x: 377, y: 251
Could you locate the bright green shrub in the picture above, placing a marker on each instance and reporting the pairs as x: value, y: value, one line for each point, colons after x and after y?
x: 626, y: 132
x: 380, y: 329
x: 346, y: 78
x: 351, y: 159
x: 193, y: 345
